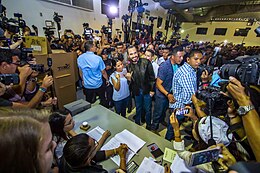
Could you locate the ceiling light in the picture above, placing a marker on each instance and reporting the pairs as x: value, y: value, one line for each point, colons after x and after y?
x: 181, y: 1
x: 113, y: 10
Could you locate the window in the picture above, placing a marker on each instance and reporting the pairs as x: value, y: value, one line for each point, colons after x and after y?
x: 220, y: 31
x: 241, y: 32
x: 82, y: 4
x: 202, y: 31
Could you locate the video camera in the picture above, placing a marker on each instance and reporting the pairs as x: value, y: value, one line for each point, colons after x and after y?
x: 24, y: 57
x: 214, y: 100
x: 151, y: 18
x: 106, y: 30
x: 245, y: 69
x: 7, y: 79
x: 12, y: 25
x: 125, y: 17
x: 38, y: 67
x: 57, y: 18
x: 158, y: 36
x: 87, y: 32
x: 48, y: 31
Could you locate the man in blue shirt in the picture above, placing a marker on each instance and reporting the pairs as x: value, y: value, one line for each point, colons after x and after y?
x: 92, y: 68
x: 184, y: 86
x: 163, y: 94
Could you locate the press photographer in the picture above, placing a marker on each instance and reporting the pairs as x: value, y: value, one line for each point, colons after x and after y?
x: 14, y: 30
x: 16, y: 96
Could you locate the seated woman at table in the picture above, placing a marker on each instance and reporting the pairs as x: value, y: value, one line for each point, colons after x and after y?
x: 80, y: 154
x: 121, y: 93
x: 62, y: 125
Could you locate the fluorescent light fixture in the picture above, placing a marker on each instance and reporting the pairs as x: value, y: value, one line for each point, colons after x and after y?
x: 181, y: 1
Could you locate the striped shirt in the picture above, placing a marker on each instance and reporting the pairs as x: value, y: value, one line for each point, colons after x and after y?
x: 184, y: 86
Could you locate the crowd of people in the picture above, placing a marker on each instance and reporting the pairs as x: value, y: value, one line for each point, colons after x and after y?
x: 161, y: 79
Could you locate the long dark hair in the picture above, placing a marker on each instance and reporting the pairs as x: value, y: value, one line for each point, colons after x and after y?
x: 57, y: 120
x: 76, y: 150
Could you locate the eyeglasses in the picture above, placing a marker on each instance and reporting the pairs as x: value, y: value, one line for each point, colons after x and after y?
x: 69, y: 123
x: 18, y: 63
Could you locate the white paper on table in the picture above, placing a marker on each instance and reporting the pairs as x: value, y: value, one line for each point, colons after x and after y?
x: 133, y: 142
x: 179, y: 166
x: 96, y: 133
x: 148, y: 166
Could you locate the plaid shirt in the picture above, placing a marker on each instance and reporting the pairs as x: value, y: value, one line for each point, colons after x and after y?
x: 184, y: 85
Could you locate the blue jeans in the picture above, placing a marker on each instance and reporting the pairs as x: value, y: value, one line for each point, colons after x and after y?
x: 143, y: 101
x: 170, y: 132
x: 121, y: 105
x: 160, y: 107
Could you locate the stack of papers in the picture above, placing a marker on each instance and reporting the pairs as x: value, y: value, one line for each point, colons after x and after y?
x: 149, y: 166
x: 133, y: 142
x: 180, y: 166
x: 96, y: 133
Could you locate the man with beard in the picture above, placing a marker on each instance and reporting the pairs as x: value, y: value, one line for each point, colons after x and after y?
x: 141, y: 75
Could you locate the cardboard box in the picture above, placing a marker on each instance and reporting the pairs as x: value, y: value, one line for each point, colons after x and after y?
x: 64, y: 78
x: 39, y: 44
x: 63, y: 74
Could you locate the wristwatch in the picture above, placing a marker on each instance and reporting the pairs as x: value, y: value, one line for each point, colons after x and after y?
x: 242, y: 110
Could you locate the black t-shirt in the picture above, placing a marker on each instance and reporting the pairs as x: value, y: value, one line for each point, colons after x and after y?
x: 100, y: 156
x: 4, y: 102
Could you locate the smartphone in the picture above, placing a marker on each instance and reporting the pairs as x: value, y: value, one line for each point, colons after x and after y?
x: 131, y: 167
x: 181, y: 111
x: 155, y: 150
x: 204, y: 156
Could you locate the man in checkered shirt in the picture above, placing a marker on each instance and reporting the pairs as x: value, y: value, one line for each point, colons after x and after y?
x: 184, y: 86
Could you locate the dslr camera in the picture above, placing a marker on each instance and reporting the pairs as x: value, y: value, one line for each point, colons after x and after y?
x: 245, y: 69
x: 7, y: 79
x: 38, y: 67
x: 215, y: 101
x: 204, y: 67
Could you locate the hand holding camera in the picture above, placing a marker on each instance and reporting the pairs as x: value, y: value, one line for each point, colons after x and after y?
x: 25, y: 71
x: 226, y: 159
x: 237, y: 91
x: 174, y: 122
x: 47, y: 81
x: 190, y: 113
